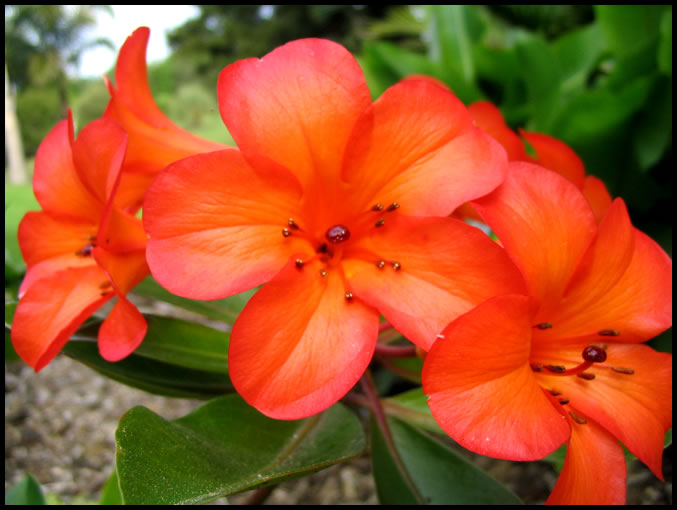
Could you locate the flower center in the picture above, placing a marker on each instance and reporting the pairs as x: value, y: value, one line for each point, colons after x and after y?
x: 337, y: 234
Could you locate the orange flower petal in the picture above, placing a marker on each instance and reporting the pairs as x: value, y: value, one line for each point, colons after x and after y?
x: 555, y: 155
x: 122, y: 331
x: 50, y: 266
x: 636, y: 408
x: 624, y: 283
x: 447, y: 267
x: 42, y: 236
x: 125, y: 270
x: 52, y: 310
x: 215, y: 226
x: 56, y: 183
x: 545, y: 224
x: 98, y: 152
x: 482, y: 390
x: 594, y: 471
x: 300, y: 345
x: 297, y: 105
x: 490, y: 120
x: 597, y: 195
x: 418, y: 146
x: 120, y: 231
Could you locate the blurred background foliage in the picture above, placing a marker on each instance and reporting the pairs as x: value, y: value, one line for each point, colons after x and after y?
x: 597, y: 77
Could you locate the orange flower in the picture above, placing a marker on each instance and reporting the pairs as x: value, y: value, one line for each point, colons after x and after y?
x: 81, y: 249
x: 325, y: 203
x: 154, y: 140
x: 550, y: 153
x: 519, y: 375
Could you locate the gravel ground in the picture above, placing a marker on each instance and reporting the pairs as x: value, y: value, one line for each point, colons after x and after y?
x: 60, y: 424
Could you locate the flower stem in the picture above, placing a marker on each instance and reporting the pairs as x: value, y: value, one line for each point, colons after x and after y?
x: 371, y: 393
x: 395, y: 351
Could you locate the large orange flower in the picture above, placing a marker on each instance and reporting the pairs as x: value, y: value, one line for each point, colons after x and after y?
x: 81, y: 250
x: 325, y: 202
x: 154, y: 140
x: 550, y: 153
x: 521, y: 374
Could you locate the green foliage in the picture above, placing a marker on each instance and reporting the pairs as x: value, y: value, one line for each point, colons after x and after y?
x: 19, y: 199
x: 90, y: 103
x: 39, y: 110
x: 26, y: 492
x: 225, y: 447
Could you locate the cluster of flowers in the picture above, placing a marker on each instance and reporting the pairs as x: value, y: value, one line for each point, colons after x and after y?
x: 347, y: 209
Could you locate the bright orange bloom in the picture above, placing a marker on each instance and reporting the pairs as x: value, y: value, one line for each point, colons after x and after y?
x: 550, y: 153
x: 81, y: 249
x: 325, y: 202
x: 521, y: 374
x: 154, y: 140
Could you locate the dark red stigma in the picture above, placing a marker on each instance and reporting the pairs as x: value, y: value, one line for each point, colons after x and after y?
x: 594, y: 354
x: 337, y: 234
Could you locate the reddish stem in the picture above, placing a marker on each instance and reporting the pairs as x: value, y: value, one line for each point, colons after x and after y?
x: 395, y: 351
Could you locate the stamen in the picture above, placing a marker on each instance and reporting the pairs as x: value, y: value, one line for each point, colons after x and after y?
x: 392, y: 207
x: 349, y: 296
x: 377, y: 207
x: 91, y: 239
x: 555, y: 393
x: 380, y: 223
x: 536, y: 367
x: 105, y: 285
x: 381, y: 264
x: 293, y: 224
x: 609, y: 332
x: 577, y: 418
x: 299, y: 263
x: 396, y: 265
x: 543, y: 325
x: 623, y: 370
x: 86, y: 251
x: 286, y: 232
x: 106, y: 293
x: 601, y: 346
x: 563, y: 401
x: 586, y: 375
x: 594, y: 354
x: 558, y: 369
x: 323, y: 273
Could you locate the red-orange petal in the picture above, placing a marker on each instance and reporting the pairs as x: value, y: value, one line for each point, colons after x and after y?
x: 56, y: 182
x: 418, y: 145
x: 43, y: 236
x: 299, y: 345
x: 121, y: 232
x: 125, y: 270
x: 297, y: 105
x: 122, y: 331
x: 447, y: 267
x: 215, y: 226
x: 624, y: 283
x: 482, y: 390
x: 489, y: 119
x: 597, y: 195
x: 98, y: 152
x: 544, y: 223
x: 636, y: 408
x: 52, y: 310
x: 50, y: 266
x: 555, y: 155
x: 594, y: 471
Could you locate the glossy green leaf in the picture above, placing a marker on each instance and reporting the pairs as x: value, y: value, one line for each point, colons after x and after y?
x: 577, y: 54
x: 177, y: 342
x: 110, y: 494
x: 225, y: 447
x: 226, y: 309
x: 665, y: 45
x: 440, y: 475
x: 412, y: 407
x: 654, y: 126
x: 19, y: 199
x: 26, y: 492
x: 629, y: 27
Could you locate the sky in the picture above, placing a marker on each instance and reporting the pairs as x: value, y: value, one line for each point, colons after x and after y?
x: 127, y: 18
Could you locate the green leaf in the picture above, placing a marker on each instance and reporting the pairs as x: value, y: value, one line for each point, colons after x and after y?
x: 629, y: 27
x: 225, y: 447
x: 412, y: 407
x: 665, y: 45
x: 653, y: 133
x: 577, y: 54
x: 19, y: 199
x: 110, y: 495
x: 225, y: 310
x: 440, y: 474
x: 26, y: 492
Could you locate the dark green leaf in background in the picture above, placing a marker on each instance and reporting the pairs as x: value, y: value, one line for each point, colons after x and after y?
x: 26, y: 492
x: 110, y: 494
x: 440, y: 474
x: 225, y: 447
